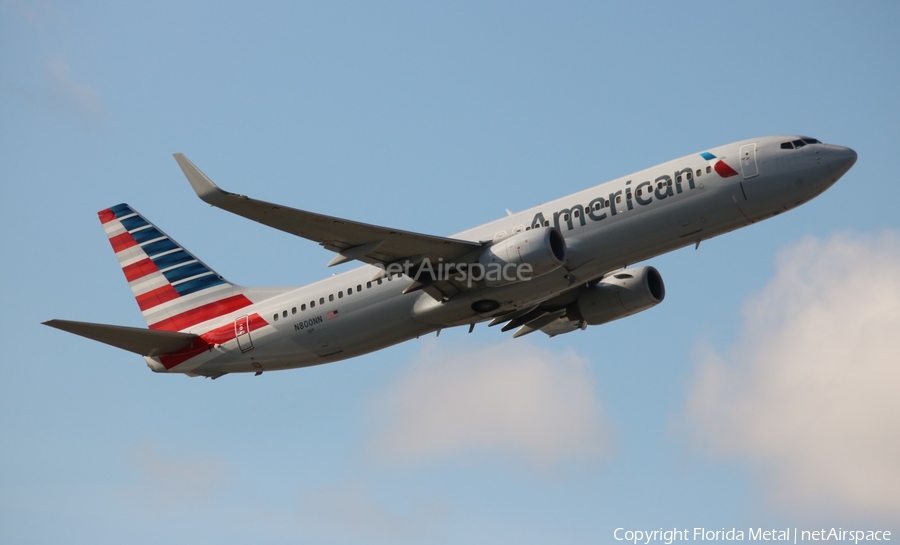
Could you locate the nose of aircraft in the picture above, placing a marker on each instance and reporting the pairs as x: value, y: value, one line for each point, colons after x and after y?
x: 840, y: 160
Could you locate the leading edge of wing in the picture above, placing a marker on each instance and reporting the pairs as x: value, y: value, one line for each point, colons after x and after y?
x: 351, y: 239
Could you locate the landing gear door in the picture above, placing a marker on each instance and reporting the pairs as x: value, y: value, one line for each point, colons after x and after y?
x: 242, y: 333
x: 748, y: 161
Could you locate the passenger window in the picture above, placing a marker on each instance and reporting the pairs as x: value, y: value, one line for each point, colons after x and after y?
x: 597, y: 206
x: 294, y: 310
x: 688, y: 175
x: 379, y: 281
x: 359, y: 287
x: 312, y: 304
x: 331, y: 297
x: 640, y: 192
x: 565, y: 217
x: 618, y: 199
x: 284, y: 314
x: 340, y: 295
x: 321, y: 300
x: 575, y: 213
x: 708, y: 170
x: 678, y: 178
x: 669, y: 182
x: 275, y: 317
x: 302, y: 307
x: 368, y: 285
x: 699, y: 172
x: 546, y: 223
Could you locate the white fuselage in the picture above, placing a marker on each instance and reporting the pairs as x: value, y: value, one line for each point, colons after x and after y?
x: 606, y: 227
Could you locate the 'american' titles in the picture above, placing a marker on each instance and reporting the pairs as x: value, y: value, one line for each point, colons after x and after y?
x: 602, y: 207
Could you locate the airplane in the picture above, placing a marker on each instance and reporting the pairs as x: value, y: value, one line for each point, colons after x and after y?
x: 555, y: 268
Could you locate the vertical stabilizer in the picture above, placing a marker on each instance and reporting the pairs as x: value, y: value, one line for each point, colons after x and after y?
x: 174, y: 290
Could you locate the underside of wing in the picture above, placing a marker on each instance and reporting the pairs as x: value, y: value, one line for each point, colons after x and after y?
x: 350, y: 239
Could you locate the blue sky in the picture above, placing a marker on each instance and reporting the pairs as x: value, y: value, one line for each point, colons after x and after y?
x: 761, y: 393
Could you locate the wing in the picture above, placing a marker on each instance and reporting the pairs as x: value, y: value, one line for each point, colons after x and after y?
x: 350, y: 239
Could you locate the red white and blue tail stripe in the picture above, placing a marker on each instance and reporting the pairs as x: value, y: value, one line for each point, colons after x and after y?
x: 174, y: 290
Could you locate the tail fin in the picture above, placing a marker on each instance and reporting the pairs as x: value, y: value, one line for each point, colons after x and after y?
x: 173, y: 289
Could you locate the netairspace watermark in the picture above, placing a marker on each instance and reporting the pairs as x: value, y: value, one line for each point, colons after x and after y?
x: 468, y: 273
x: 786, y: 535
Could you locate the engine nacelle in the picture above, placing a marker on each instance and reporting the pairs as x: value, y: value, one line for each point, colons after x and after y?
x: 618, y: 295
x: 525, y: 255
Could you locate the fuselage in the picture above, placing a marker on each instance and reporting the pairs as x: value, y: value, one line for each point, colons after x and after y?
x: 606, y: 227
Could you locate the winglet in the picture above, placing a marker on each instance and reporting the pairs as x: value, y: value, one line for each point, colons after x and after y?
x: 203, y: 186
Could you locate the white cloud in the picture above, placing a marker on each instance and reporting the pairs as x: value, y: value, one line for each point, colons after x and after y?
x: 72, y: 95
x: 352, y: 511
x: 512, y: 398
x: 810, y: 392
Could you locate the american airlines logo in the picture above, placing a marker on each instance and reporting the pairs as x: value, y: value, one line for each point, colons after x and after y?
x: 642, y: 194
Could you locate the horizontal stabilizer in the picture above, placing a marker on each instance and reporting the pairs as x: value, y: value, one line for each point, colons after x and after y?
x: 146, y: 342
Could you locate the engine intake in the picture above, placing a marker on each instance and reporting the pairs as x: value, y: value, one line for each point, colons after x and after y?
x: 618, y: 295
x: 523, y: 256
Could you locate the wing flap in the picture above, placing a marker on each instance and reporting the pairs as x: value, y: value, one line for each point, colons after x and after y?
x: 146, y: 342
x: 350, y: 239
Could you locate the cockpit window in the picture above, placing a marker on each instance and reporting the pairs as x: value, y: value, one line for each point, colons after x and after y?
x: 797, y: 144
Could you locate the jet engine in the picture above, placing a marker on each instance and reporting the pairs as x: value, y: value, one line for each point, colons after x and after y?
x: 617, y: 295
x: 524, y: 255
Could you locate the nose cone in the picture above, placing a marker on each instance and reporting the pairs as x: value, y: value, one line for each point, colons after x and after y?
x: 840, y: 160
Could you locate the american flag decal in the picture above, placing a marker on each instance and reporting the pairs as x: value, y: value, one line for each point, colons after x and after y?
x: 331, y: 315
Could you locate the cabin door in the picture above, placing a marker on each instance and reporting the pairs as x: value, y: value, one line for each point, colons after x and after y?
x: 242, y: 333
x: 748, y: 161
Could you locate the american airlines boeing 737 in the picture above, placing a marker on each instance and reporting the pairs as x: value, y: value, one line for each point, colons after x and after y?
x: 556, y: 268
